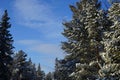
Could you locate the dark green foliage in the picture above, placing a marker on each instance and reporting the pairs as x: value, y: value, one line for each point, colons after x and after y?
x: 49, y: 76
x: 84, y: 34
x: 40, y: 73
x: 5, y: 47
x: 19, y: 66
x: 23, y: 69
x: 61, y: 70
x: 111, y: 68
x: 32, y: 70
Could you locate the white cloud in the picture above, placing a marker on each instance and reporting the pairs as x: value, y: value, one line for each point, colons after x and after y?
x: 28, y: 42
x: 32, y: 9
x: 38, y: 15
x: 34, y: 13
x: 41, y: 47
x: 46, y: 48
x: 48, y: 52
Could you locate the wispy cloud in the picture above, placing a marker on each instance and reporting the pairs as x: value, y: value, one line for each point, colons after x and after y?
x: 28, y: 42
x: 38, y: 15
x: 32, y: 9
x: 46, y: 48
x: 35, y: 13
x: 47, y: 52
x: 41, y: 47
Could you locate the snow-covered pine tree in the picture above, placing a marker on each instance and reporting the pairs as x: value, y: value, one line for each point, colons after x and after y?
x: 31, y: 70
x: 61, y: 70
x: 23, y: 69
x: 84, y: 34
x: 111, y: 69
x: 19, y: 63
x: 49, y: 76
x: 76, y: 34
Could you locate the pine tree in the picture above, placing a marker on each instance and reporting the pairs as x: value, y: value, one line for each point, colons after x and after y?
x: 84, y: 33
x: 77, y: 37
x: 22, y: 69
x: 58, y: 67
x: 49, y: 76
x: 61, y: 70
x: 31, y: 70
x: 18, y: 65
x: 6, y: 47
x: 111, y: 69
x: 40, y: 73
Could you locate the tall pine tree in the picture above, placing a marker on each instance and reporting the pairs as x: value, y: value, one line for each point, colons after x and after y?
x: 84, y: 33
x: 6, y: 41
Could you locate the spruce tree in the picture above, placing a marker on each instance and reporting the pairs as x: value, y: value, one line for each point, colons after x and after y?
x: 111, y: 68
x: 58, y: 70
x: 19, y: 65
x: 40, y: 73
x: 77, y: 37
x: 49, y: 76
x: 61, y: 70
x: 31, y: 70
x: 22, y: 69
x: 84, y: 33
x: 6, y: 41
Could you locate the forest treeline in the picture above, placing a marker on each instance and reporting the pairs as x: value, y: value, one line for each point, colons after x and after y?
x: 92, y: 47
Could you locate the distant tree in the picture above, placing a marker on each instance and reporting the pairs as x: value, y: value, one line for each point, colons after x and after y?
x: 23, y: 69
x: 61, y: 70
x: 6, y: 41
x: 32, y: 70
x: 40, y: 73
x: 49, y: 76
x: 19, y: 65
x: 111, y: 68
x: 58, y: 71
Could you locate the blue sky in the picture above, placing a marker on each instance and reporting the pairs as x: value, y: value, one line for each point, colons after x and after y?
x: 37, y: 26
